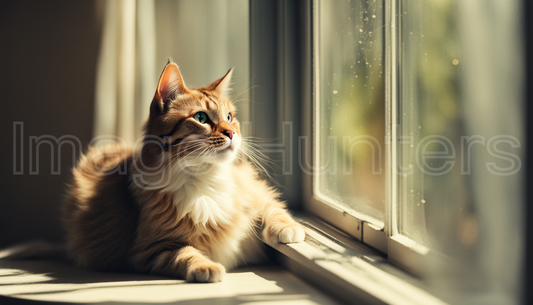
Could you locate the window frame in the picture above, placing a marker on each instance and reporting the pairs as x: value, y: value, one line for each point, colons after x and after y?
x: 401, y: 249
x: 527, y: 292
x: 297, y: 90
x: 363, y: 228
x: 381, y: 236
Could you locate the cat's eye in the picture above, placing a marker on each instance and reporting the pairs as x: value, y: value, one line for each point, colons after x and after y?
x: 229, y: 118
x: 201, y: 117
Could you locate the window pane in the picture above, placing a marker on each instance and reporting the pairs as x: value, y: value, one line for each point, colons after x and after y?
x: 450, y: 87
x: 460, y: 141
x: 431, y: 123
x: 350, y: 109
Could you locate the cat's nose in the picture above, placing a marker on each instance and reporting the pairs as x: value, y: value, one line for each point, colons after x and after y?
x: 229, y: 133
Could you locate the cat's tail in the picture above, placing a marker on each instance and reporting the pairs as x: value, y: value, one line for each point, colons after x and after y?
x: 36, y: 249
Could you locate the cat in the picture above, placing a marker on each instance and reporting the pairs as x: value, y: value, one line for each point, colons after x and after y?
x: 187, y: 204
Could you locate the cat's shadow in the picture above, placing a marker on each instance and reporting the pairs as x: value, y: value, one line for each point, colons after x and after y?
x: 39, y: 279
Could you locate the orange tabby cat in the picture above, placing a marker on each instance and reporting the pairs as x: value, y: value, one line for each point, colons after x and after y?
x: 187, y: 204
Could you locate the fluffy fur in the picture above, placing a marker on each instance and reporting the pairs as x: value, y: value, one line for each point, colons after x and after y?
x: 187, y: 204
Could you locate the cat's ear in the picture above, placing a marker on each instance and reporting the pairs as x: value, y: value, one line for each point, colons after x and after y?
x: 170, y: 85
x: 221, y: 85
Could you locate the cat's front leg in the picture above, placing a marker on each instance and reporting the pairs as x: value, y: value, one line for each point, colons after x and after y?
x: 190, y: 264
x: 279, y: 227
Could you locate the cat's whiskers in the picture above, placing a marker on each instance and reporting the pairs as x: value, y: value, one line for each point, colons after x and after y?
x: 187, y: 142
x: 177, y: 156
x: 203, y: 155
x: 250, y: 147
x: 184, y: 158
x: 252, y: 151
x: 181, y: 151
x: 247, y: 88
x: 196, y: 143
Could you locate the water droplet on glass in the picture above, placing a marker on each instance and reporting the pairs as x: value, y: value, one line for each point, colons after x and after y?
x: 361, y: 30
x: 373, y: 16
x: 455, y: 62
x: 423, y: 201
x: 335, y: 91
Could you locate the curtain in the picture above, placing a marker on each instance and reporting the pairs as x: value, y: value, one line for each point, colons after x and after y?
x: 493, y: 90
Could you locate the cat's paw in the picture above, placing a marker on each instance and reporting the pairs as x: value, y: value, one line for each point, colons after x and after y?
x: 206, y: 272
x: 292, y: 234
x: 287, y: 234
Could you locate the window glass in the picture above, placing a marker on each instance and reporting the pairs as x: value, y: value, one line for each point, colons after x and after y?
x: 459, y: 143
x: 460, y: 140
x: 434, y: 194
x: 455, y: 144
x: 349, y: 124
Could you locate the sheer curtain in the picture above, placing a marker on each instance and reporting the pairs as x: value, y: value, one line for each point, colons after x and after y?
x: 493, y: 90
x: 205, y: 38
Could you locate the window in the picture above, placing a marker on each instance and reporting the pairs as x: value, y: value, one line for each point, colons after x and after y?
x: 350, y: 115
x: 417, y: 135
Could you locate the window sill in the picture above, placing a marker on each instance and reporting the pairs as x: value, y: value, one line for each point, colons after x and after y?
x: 349, y: 270
x: 45, y: 281
x: 343, y: 268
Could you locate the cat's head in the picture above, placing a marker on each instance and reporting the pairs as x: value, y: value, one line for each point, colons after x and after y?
x: 192, y: 125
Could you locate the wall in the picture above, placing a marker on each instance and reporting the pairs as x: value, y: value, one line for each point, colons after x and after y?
x: 47, y: 69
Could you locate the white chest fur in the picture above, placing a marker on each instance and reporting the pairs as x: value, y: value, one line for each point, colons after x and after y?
x: 205, y: 195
